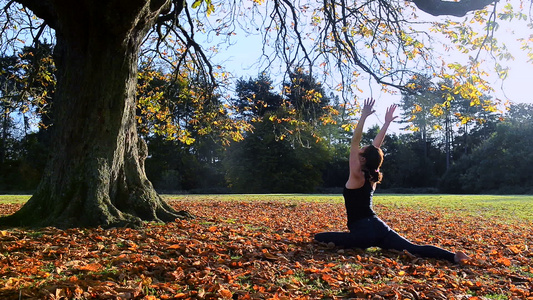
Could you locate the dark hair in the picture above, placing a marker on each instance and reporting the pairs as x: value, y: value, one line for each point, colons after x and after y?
x: 373, y: 160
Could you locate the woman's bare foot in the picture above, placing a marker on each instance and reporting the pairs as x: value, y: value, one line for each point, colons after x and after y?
x: 461, y: 257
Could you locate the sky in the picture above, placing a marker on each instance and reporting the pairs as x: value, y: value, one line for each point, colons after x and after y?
x: 239, y: 59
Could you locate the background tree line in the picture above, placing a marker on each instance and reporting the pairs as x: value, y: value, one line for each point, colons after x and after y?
x: 261, y: 140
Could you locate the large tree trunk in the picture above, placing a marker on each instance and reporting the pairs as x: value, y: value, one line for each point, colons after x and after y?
x: 95, y: 174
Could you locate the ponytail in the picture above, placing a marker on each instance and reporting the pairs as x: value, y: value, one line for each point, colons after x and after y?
x: 374, y: 176
x: 373, y: 160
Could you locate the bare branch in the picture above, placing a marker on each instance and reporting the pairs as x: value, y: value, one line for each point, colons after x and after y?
x: 489, y: 32
x: 43, y: 9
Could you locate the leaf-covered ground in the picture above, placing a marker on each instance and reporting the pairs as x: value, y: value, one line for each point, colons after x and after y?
x: 264, y: 250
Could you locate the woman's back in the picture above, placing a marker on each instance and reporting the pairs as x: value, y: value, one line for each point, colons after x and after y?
x: 358, y: 202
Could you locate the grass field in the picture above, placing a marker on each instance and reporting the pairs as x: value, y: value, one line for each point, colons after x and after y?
x: 14, y: 198
x: 502, y: 208
x: 505, y: 207
x: 261, y: 247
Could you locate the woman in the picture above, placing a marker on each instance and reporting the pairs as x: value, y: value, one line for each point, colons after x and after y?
x: 366, y: 229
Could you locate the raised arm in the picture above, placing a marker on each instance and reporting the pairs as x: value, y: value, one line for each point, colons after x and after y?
x: 356, y: 178
x: 389, y: 117
x: 358, y: 132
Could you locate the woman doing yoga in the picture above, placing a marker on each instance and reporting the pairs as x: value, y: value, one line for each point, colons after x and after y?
x: 366, y: 229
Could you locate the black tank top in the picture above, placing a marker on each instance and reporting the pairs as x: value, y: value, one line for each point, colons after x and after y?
x: 358, y: 202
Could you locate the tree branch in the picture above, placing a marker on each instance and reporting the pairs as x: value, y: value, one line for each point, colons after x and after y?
x: 43, y: 9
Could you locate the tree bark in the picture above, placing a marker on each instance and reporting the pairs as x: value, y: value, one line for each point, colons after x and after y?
x: 95, y: 175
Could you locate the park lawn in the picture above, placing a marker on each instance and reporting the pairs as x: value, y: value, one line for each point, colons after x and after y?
x: 504, y: 207
x: 260, y: 247
x: 6, y: 199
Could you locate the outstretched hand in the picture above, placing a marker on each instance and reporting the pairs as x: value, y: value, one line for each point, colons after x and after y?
x: 368, y: 107
x: 389, y: 116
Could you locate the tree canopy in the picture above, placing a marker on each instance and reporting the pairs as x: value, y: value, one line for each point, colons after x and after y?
x: 390, y: 42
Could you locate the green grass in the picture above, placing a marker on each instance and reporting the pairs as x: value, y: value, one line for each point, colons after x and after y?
x: 508, y: 206
x: 7, y: 199
x: 260, y: 197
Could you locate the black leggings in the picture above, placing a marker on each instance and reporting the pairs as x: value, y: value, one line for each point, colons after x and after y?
x: 373, y: 232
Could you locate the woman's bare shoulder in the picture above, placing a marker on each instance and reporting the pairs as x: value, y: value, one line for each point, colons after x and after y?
x: 355, y: 181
